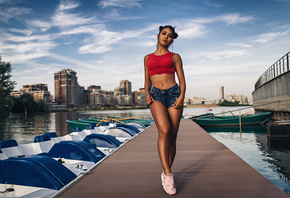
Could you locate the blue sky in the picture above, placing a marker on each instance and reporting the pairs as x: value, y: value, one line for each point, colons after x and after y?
x: 226, y: 43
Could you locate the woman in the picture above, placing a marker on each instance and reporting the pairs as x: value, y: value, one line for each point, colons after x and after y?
x: 165, y: 98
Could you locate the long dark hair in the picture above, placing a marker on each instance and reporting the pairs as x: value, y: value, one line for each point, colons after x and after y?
x: 175, y: 35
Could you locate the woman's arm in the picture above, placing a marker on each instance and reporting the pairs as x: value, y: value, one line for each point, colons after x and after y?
x: 180, y: 74
x: 147, y: 84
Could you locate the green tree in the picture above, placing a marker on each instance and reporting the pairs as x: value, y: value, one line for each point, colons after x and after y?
x: 6, y: 86
x: 28, y: 103
x: 18, y: 106
x: 229, y: 103
x: 41, y: 106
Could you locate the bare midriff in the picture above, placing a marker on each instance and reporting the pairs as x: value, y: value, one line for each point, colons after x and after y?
x: 163, y: 81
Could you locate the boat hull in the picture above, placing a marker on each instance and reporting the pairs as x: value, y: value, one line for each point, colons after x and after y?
x: 252, y: 119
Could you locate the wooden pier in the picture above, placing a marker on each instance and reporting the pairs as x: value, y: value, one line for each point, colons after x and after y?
x: 203, y: 167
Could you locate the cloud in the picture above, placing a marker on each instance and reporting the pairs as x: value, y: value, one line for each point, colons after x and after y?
x: 65, y: 19
x: 215, y: 5
x: 113, y: 14
x: 244, y: 45
x: 67, y: 5
x: 4, y: 1
x: 101, y: 42
x: 20, y: 31
x: 265, y: 38
x: 192, y: 30
x: 234, y: 19
x: 26, y: 46
x: 196, y: 28
x: 229, y: 19
x: 13, y: 12
x: 27, y: 51
x: 74, y: 62
x: 42, y: 25
x: 120, y: 3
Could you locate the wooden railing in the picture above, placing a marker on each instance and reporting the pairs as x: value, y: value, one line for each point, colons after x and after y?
x: 274, y: 71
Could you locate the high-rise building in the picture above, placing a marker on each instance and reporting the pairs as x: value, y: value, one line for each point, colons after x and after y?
x: 126, y: 86
x: 94, y: 87
x: 222, y: 94
x: 66, y: 88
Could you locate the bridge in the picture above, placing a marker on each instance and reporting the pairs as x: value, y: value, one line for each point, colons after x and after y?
x: 272, y: 90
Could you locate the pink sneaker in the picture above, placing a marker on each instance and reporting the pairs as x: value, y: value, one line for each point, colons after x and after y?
x: 168, y: 183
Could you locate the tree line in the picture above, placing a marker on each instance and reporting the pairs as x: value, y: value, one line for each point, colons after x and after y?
x: 24, y: 104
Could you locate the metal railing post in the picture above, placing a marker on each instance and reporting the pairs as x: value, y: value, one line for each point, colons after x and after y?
x: 287, y: 61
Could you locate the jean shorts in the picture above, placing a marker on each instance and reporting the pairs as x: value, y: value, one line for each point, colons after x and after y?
x: 166, y: 96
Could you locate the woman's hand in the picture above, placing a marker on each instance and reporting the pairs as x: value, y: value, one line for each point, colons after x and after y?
x: 178, y: 103
x: 149, y: 99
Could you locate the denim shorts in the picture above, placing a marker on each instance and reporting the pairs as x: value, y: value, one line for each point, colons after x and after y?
x: 166, y: 96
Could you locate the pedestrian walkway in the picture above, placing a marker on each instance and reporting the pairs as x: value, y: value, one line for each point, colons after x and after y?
x: 203, y: 167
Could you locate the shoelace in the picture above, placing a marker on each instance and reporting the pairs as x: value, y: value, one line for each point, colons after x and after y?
x: 169, y: 180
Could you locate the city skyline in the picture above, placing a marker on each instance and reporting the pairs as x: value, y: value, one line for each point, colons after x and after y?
x: 125, y: 83
x: 222, y: 42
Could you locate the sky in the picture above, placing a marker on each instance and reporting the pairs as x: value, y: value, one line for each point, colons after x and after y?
x: 226, y: 43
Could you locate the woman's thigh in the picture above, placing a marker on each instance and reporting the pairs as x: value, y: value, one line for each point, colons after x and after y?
x: 174, y: 118
x: 160, y: 115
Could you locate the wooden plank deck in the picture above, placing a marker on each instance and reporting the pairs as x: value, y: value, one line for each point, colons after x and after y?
x: 203, y: 168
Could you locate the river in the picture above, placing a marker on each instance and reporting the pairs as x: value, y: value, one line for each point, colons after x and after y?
x: 270, y: 158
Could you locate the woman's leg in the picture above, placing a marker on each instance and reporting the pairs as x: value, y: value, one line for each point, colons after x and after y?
x: 161, y: 118
x: 174, y: 120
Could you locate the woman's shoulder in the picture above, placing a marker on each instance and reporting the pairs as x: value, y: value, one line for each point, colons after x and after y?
x: 147, y: 56
x: 175, y: 55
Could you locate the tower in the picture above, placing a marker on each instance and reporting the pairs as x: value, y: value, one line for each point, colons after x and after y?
x: 126, y: 86
x: 222, y: 94
x: 66, y: 88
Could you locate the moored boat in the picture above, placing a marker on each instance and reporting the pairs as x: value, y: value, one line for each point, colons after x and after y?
x: 51, y: 162
x: 250, y: 119
x: 107, y: 121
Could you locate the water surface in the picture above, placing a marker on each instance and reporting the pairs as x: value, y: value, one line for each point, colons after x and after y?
x: 269, y: 157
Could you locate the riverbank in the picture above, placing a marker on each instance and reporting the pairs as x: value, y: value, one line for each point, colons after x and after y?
x: 122, y: 108
x: 128, y: 108
x: 202, y: 106
x: 96, y: 109
x: 76, y: 109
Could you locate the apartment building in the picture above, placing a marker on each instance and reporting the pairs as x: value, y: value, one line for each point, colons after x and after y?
x: 66, y: 88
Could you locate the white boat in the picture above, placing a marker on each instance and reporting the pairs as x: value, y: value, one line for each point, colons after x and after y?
x: 41, y: 168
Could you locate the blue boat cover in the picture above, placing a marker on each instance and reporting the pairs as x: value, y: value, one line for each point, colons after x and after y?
x: 51, y: 134
x: 76, y: 129
x: 139, y: 124
x: 133, y: 128
x: 91, y: 126
x: 105, y: 124
x: 76, y: 150
x: 8, y: 143
x: 127, y: 130
x: 36, y: 171
x: 41, y: 138
x: 101, y: 140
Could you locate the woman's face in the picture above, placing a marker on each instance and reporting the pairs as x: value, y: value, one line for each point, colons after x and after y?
x: 165, y: 37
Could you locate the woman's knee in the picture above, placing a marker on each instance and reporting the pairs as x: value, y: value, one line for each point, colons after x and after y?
x: 164, y: 132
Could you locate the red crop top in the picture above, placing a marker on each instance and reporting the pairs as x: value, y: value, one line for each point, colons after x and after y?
x: 162, y: 64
